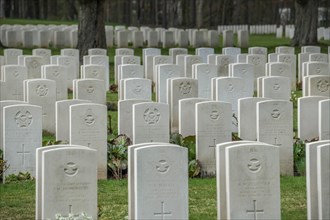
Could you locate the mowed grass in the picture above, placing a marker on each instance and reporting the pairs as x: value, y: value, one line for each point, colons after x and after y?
x: 18, y: 199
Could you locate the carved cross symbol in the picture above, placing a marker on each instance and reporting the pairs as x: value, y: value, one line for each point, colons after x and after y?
x: 70, y: 215
x: 255, y: 211
x: 214, y: 144
x: 277, y: 144
x: 23, y: 152
x: 162, y: 213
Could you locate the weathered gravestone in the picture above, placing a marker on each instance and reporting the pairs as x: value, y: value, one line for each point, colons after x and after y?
x: 204, y: 72
x: 21, y: 136
x: 179, y: 88
x: 247, y: 118
x: 62, y: 118
x: 57, y: 73
x: 69, y: 183
x: 189, y: 60
x: 135, y: 88
x: 42, y: 92
x: 312, y: 178
x: 164, y: 72
x: 323, y: 180
x: 93, y: 71
x: 161, y: 182
x: 253, y: 182
x: 275, y: 126
x: 308, y: 114
x: 187, y: 119
x: 90, y: 89
x: 88, y: 127
x: 150, y: 122
x: 213, y: 126
x: 324, y: 118
x: 13, y: 76
x: 276, y: 87
x: 246, y: 72
x: 11, y: 56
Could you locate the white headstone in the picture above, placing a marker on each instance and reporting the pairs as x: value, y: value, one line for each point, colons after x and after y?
x: 165, y: 71
x: 276, y: 87
x: 135, y: 88
x: 90, y: 89
x: 204, y: 73
x: 323, y: 180
x: 59, y: 74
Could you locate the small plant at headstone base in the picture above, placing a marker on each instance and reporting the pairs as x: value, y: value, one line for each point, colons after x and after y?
x: 294, y: 99
x: 235, y: 122
x: 71, y: 216
x: 190, y: 143
x: 21, y: 176
x: 3, y: 165
x: 53, y: 142
x: 235, y: 137
x: 114, y: 88
x: 299, y: 157
x: 117, y: 156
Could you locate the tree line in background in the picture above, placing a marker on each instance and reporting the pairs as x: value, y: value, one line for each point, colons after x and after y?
x: 168, y: 13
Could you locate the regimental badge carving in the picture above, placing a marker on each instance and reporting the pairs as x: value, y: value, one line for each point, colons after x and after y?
x: 162, y: 167
x: 170, y: 73
x: 34, y: 64
x: 133, y: 73
x: 162, y: 61
x: 215, y: 115
x: 138, y: 89
x: 42, y: 90
x: 254, y: 165
x: 151, y: 116
x: 67, y: 62
x: 131, y: 61
x: 95, y: 73
x: 323, y: 85
x: 194, y: 60
x: 287, y: 59
x: 276, y: 86
x: 90, y: 89
x: 280, y: 70
x: 71, y: 169
x: 56, y: 73
x: 89, y: 117
x: 185, y: 88
x: 16, y: 73
x: 243, y: 71
x: 23, y: 118
x: 256, y: 60
x: 230, y: 87
x: 318, y: 69
x: 276, y: 114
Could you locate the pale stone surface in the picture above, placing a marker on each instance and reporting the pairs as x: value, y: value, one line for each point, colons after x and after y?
x: 232, y: 51
x: 317, y: 68
x: 324, y: 118
x: 22, y: 134
x: 275, y: 126
x: 204, y: 52
x: 318, y: 57
x: 161, y: 182
x: 152, y: 39
x: 259, y: 62
x: 279, y: 69
x: 124, y: 51
x: 243, y: 38
x: 312, y: 178
x: 220, y: 157
x: 213, y: 38
x: 128, y: 71
x: 204, y: 73
x: 258, y: 50
x: 71, y: 190
x: 302, y: 58
x: 311, y: 49
x: 97, y: 51
x: 223, y: 62
x: 42, y: 92
x: 246, y: 72
x: 165, y: 71
x: 187, y: 119
x: 213, y: 126
x: 13, y: 76
x: 92, y: 71
x: 88, y: 127
x: 258, y: 165
x: 189, y: 60
x: 318, y: 85
x: 323, y: 180
x: 57, y: 73
x: 230, y: 89
x: 125, y: 116
x: 62, y: 118
x: 183, y: 38
x: 276, y: 87
x: 138, y: 39
x: 71, y: 64
x: 308, y: 114
x: 179, y: 88
x: 228, y: 38
x: 44, y: 53
x: 33, y: 65
x: 136, y: 88
x: 247, y: 118
x: 168, y: 39
x: 103, y: 61
x: 173, y: 52
x: 148, y: 52
x: 150, y: 122
x: 90, y: 89
x: 292, y: 61
x: 158, y: 60
x: 11, y: 56
x: 284, y: 50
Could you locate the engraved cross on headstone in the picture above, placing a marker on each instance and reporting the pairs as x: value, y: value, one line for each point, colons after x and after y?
x: 276, y: 143
x: 24, y: 153
x: 162, y: 213
x: 255, y: 211
x: 214, y: 145
x: 70, y: 215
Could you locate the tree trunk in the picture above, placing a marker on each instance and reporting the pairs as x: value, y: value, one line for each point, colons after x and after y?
x: 305, y: 22
x: 91, y: 31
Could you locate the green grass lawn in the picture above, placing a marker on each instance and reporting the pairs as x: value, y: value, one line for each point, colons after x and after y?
x: 18, y: 199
